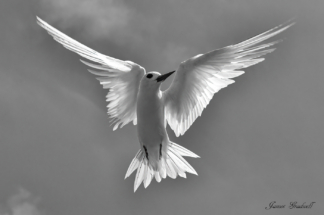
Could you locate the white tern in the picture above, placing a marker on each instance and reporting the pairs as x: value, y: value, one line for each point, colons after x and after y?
x: 135, y: 95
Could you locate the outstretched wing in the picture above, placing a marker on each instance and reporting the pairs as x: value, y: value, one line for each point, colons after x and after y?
x: 199, y: 78
x: 122, y: 78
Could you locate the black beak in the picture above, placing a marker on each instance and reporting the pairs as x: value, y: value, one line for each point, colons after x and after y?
x: 165, y: 76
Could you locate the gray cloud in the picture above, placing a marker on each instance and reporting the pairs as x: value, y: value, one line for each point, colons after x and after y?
x: 98, y: 18
x: 21, y: 203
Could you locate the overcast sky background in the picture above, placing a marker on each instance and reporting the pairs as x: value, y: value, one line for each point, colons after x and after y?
x: 260, y: 139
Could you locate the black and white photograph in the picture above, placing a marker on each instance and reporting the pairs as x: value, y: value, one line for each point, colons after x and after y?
x: 151, y: 107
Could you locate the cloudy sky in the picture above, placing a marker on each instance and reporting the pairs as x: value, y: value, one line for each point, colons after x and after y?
x: 260, y: 140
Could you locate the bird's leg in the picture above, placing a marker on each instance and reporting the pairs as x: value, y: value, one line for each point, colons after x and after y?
x: 146, y: 154
x: 160, y: 155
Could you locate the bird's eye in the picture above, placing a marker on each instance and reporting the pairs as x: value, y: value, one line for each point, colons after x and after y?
x: 149, y: 76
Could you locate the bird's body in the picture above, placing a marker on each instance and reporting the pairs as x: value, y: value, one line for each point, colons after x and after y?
x: 151, y: 128
x: 135, y: 96
x: 150, y: 116
x: 160, y: 155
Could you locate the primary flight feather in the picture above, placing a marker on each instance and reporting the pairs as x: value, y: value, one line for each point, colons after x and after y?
x: 135, y: 95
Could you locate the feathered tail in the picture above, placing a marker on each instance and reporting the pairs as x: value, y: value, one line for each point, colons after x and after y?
x: 172, y: 164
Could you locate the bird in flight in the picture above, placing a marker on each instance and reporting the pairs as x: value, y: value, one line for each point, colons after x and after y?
x: 135, y: 96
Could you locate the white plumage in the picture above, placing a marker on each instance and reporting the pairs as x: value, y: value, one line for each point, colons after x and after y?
x: 135, y: 95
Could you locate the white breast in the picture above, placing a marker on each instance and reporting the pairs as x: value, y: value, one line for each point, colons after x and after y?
x: 150, y: 119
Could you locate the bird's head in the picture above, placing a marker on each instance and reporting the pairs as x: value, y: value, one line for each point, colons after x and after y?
x: 153, y: 80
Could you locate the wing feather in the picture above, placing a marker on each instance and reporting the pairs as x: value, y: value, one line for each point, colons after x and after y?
x: 200, y: 77
x: 122, y: 78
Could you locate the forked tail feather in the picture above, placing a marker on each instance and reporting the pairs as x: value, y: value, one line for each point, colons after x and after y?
x: 173, y: 164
